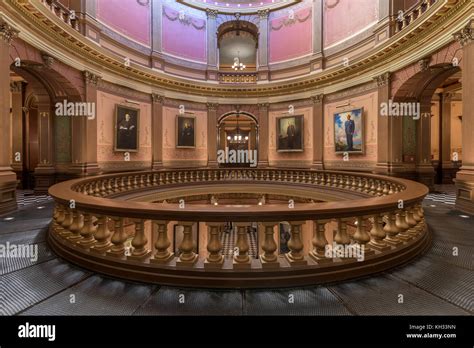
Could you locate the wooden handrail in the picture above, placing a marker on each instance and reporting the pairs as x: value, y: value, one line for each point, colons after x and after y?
x: 64, y: 192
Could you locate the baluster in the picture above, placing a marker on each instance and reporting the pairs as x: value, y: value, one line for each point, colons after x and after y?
x: 188, y: 257
x: 139, y: 242
x: 67, y: 222
x: 118, y: 238
x: 241, y: 258
x: 319, y: 242
x: 162, y: 244
x: 102, y: 235
x: 295, y: 257
x: 391, y: 230
x: 362, y: 237
x: 59, y: 218
x: 87, y: 232
x: 402, y: 225
x: 342, y: 237
x: 215, y: 259
x: 411, y: 221
x: 269, y: 258
x: 76, y: 226
x: 378, y: 235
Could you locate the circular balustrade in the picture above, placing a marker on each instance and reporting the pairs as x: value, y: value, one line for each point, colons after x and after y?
x: 342, y: 225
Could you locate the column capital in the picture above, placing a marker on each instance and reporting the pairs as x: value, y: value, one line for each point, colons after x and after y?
x: 424, y: 64
x: 263, y: 106
x: 212, y: 106
x: 47, y: 60
x: 211, y: 14
x: 317, y: 99
x: 7, y: 32
x: 263, y: 14
x: 90, y: 78
x: 383, y: 80
x: 466, y: 35
x: 157, y: 98
x: 15, y: 87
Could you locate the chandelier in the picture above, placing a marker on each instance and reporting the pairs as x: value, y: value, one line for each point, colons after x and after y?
x: 238, y: 137
x: 238, y: 64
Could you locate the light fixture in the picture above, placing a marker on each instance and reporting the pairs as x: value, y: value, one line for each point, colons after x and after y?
x: 9, y: 219
x: 465, y: 216
x: 238, y: 65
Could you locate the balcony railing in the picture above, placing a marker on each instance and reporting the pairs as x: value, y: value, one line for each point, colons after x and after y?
x: 404, y: 19
x: 238, y: 78
x: 68, y: 16
x: 93, y: 220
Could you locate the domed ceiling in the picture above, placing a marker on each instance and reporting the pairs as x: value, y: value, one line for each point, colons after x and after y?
x: 244, y: 6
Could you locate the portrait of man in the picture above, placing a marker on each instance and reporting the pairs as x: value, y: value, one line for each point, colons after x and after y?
x: 126, y: 128
x: 290, y: 134
x: 348, y: 131
x: 185, y: 131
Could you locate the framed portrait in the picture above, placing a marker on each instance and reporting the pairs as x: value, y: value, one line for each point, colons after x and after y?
x: 185, y: 131
x: 127, y: 124
x: 349, y: 131
x: 290, y: 133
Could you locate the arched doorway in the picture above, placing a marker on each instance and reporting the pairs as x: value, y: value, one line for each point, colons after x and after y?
x: 432, y: 148
x: 237, y: 139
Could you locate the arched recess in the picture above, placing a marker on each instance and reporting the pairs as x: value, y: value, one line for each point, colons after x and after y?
x: 420, y: 89
x: 237, y: 42
x: 237, y: 130
x: 46, y: 81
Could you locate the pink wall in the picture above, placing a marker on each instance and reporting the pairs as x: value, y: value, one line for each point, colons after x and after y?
x: 185, y: 39
x: 343, y: 18
x: 105, y: 130
x: 291, y: 39
x: 127, y: 17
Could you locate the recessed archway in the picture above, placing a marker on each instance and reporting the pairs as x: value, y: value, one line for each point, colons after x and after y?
x: 237, y: 131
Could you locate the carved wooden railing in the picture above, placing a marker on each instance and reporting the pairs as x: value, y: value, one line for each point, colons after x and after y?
x: 67, y: 15
x: 92, y: 214
x: 404, y: 19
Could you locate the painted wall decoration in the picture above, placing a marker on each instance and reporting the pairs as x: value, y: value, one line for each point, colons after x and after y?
x: 290, y: 133
x: 349, y: 131
x: 291, y: 36
x: 183, y: 35
x: 185, y: 131
x: 126, y: 129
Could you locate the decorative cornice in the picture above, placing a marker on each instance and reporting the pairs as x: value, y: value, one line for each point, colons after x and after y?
x: 90, y: 78
x: 424, y: 64
x: 7, y: 32
x: 212, y: 106
x: 59, y: 36
x: 466, y: 35
x: 383, y: 80
x: 157, y: 98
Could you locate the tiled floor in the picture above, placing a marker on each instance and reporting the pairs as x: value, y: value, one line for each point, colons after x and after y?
x: 440, y: 282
